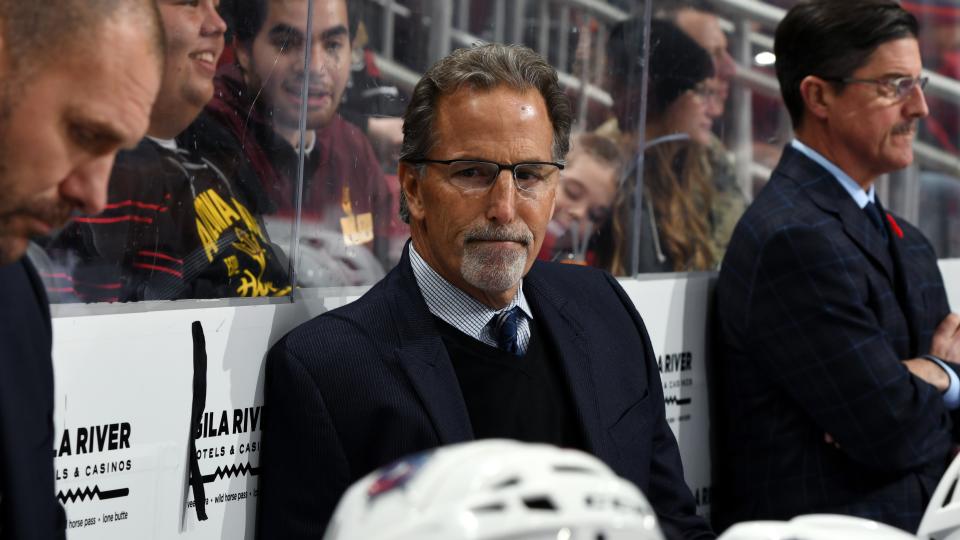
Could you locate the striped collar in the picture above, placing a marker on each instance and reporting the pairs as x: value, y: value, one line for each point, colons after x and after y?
x: 458, y: 309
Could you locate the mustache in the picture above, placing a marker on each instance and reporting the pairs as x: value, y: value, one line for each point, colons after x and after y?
x: 905, y: 128
x: 489, y: 232
x: 315, y: 83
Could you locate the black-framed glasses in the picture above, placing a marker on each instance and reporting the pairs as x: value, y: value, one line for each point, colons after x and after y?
x: 705, y: 91
x: 895, y: 87
x: 475, y: 175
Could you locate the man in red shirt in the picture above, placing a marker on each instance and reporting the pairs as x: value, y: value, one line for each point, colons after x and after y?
x: 345, y: 201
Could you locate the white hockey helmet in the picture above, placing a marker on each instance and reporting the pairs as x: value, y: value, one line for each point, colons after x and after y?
x: 941, y: 521
x: 494, y: 489
x: 815, y: 527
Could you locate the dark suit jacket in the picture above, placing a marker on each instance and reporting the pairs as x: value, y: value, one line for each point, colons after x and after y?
x: 28, y: 507
x: 363, y: 385
x: 815, y: 315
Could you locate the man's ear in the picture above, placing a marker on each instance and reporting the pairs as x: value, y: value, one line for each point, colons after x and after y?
x: 410, y: 184
x: 818, y: 96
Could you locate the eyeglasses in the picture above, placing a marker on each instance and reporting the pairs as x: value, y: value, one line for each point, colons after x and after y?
x: 530, y: 177
x: 705, y: 91
x: 895, y: 87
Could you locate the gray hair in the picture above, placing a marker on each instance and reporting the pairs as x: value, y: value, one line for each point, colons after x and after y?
x: 483, y: 66
x: 36, y: 33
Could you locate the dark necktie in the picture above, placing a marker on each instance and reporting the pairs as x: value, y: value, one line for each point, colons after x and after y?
x: 505, y: 326
x: 873, y: 212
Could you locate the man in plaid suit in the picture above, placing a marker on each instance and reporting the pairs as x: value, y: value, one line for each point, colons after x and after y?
x: 836, y: 378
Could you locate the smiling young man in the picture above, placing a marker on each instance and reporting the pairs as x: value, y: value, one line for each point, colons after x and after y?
x: 837, y: 349
x: 345, y: 201
x: 469, y: 337
x: 176, y: 225
x: 76, y: 84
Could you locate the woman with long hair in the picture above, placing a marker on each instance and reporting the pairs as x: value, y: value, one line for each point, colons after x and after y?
x: 674, y: 232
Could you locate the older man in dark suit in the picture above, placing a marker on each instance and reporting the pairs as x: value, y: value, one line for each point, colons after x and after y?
x: 837, y: 372
x: 468, y: 337
x: 77, y: 81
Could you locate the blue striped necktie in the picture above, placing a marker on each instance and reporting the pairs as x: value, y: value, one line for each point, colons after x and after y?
x: 505, y: 326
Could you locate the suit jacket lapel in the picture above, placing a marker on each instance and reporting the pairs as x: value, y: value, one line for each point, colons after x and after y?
x: 827, y: 193
x: 424, y: 358
x: 548, y: 306
x: 906, y: 294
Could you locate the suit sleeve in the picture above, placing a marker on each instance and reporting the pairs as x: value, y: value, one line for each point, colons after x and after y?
x: 304, y: 470
x: 668, y: 491
x: 814, y: 335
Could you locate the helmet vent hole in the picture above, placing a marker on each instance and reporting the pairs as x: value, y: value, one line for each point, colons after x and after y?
x: 509, y: 482
x: 573, y: 469
x: 539, y: 503
x: 949, y: 498
x: 489, y: 508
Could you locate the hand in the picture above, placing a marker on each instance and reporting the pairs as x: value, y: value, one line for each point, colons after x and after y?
x: 946, y: 339
x: 929, y: 371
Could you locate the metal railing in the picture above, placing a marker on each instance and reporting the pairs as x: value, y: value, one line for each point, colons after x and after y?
x: 749, y: 24
x: 741, y: 16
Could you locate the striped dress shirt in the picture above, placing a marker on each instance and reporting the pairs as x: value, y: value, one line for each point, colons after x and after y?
x: 462, y: 311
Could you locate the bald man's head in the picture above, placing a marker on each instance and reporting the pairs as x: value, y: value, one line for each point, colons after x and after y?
x: 34, y: 34
x: 78, y: 80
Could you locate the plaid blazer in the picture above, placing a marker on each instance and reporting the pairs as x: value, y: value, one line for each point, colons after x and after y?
x: 815, y: 313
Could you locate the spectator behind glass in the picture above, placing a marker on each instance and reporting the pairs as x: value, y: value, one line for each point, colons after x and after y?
x: 698, y: 20
x: 175, y: 226
x: 675, y: 228
x: 258, y: 100
x: 588, y: 187
x: 77, y: 80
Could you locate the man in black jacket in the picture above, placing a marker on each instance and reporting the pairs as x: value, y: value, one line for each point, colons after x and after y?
x: 837, y: 372
x: 468, y: 337
x: 78, y: 82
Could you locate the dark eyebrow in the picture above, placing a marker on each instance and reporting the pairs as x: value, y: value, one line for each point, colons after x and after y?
x: 894, y: 75
x: 105, y: 134
x: 285, y: 30
x: 334, y: 32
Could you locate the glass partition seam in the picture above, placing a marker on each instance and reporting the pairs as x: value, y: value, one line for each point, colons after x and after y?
x: 388, y: 29
x: 301, y: 161
x: 563, y: 34
x: 743, y: 112
x: 463, y: 15
x: 634, y: 236
x: 586, y: 38
x: 543, y: 28
x: 518, y: 21
x: 441, y: 30
x: 499, y: 21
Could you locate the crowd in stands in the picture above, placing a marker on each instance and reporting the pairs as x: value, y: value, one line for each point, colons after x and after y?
x: 251, y: 165
x: 210, y: 205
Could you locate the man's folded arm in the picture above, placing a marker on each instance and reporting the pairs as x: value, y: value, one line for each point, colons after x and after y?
x: 813, y: 334
x: 304, y: 470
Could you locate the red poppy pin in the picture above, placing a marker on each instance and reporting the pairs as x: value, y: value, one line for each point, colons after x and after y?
x: 893, y: 225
